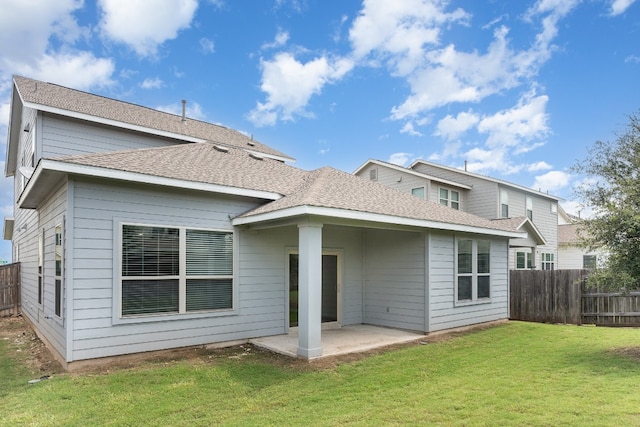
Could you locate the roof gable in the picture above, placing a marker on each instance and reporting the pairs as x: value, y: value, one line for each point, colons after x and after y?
x: 486, y: 178
x: 74, y: 103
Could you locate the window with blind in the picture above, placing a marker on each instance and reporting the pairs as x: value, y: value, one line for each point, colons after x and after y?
x: 175, y: 270
x: 473, y: 270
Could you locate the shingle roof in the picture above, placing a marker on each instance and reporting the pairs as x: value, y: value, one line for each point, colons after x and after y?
x: 60, y: 97
x: 568, y: 234
x: 325, y: 187
x: 200, y: 162
x: 328, y: 187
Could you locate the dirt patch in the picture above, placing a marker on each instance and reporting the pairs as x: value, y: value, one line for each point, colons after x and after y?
x: 29, y: 350
x: 630, y: 352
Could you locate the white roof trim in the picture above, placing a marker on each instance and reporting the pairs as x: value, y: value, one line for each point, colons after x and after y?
x: 370, y: 217
x: 99, y: 172
x: 535, y: 230
x: 111, y: 122
x: 488, y: 178
x: 412, y: 172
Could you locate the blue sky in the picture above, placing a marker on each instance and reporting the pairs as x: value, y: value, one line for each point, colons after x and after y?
x: 518, y: 89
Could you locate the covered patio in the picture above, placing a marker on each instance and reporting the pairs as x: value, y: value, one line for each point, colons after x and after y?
x: 340, y: 340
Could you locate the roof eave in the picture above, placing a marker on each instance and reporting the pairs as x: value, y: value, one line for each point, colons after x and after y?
x: 347, y: 214
x: 48, y: 174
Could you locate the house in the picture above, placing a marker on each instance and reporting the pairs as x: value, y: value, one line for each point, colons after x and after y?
x: 532, y: 212
x: 571, y: 254
x: 139, y: 230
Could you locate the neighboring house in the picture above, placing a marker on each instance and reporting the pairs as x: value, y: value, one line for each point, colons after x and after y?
x: 571, y: 255
x: 533, y: 212
x: 139, y: 230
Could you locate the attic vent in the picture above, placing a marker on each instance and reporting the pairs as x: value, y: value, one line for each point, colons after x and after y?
x: 255, y: 156
x: 251, y: 144
x: 373, y: 174
x: 221, y: 148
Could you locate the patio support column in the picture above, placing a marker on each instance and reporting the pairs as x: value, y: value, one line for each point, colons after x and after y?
x: 309, y: 290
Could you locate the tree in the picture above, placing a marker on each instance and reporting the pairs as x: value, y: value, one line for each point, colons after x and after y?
x: 613, y: 190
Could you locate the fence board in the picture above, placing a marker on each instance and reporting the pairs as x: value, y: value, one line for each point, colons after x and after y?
x: 546, y: 296
x: 9, y: 289
x: 561, y: 296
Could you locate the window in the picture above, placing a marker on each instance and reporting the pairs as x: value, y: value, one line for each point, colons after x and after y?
x: 175, y: 270
x: 40, y: 266
x: 529, y: 208
x: 455, y: 200
x: 504, y: 203
x: 523, y: 260
x: 57, y: 297
x: 554, y: 208
x: 418, y: 192
x: 473, y: 270
x: 548, y: 261
x: 589, y: 261
x: 450, y: 198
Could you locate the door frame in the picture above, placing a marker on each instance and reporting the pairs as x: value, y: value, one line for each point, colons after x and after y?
x: 339, y: 253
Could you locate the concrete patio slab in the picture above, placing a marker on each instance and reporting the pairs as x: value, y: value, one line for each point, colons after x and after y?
x: 336, y: 341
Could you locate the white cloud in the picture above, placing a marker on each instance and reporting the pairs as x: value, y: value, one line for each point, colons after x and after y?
x: 152, y: 83
x: 518, y: 125
x: 207, y: 46
x: 290, y: 84
x: 452, y: 127
x: 144, y: 25
x: 620, y: 6
x: 27, y: 27
x: 539, y: 166
x: 398, y: 31
x: 280, y: 40
x: 551, y: 181
x: 400, y: 159
x: 193, y: 110
x: 28, y: 49
x: 632, y: 58
x: 410, y: 130
x: 80, y: 70
x: 485, y: 161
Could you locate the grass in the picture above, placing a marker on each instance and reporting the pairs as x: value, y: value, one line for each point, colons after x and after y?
x: 515, y: 374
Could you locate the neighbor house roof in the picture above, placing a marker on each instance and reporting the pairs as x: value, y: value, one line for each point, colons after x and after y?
x: 411, y: 172
x: 525, y: 224
x: 486, y: 178
x: 74, y: 103
x: 287, y: 190
x: 568, y: 234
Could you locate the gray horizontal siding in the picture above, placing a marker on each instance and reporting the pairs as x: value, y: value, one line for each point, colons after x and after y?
x: 395, y: 279
x: 68, y: 137
x: 98, y: 206
x: 444, y: 314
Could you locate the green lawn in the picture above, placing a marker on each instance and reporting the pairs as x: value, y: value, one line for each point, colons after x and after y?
x: 515, y: 374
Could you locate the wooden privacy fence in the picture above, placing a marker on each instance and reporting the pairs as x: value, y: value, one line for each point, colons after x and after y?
x: 561, y: 296
x: 546, y: 296
x: 9, y: 289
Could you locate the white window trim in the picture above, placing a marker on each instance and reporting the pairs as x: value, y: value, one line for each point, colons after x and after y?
x: 543, y: 262
x: 527, y: 255
x: 449, y: 199
x: 424, y: 191
x: 474, y: 274
x: 55, y: 275
x: 40, y: 267
x: 504, y: 200
x: 528, y: 207
x: 117, y: 317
